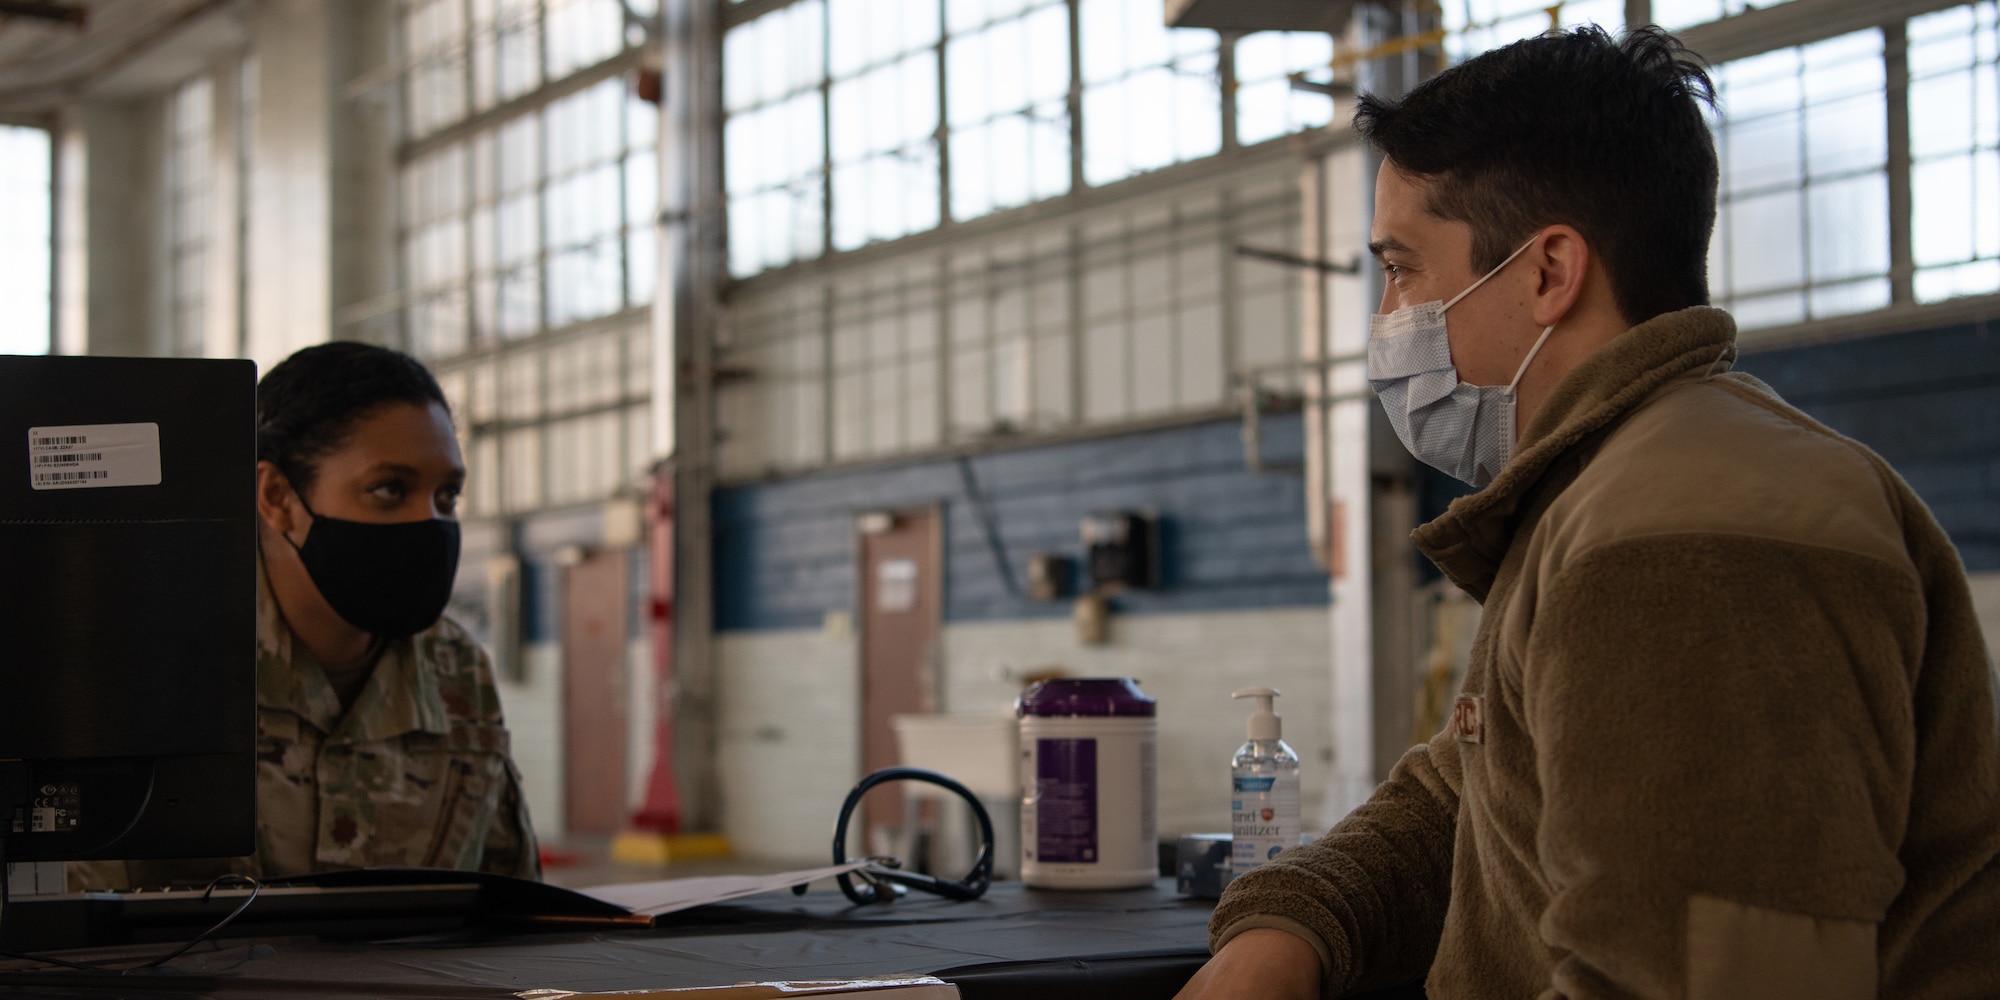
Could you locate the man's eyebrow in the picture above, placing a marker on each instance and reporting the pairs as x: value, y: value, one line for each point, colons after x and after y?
x: 1387, y: 244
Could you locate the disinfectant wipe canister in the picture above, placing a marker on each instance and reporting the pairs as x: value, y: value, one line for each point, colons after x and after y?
x: 1088, y: 785
x: 1264, y: 789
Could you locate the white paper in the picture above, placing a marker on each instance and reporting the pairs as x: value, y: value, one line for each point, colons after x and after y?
x: 675, y: 894
x: 93, y: 456
x: 901, y: 987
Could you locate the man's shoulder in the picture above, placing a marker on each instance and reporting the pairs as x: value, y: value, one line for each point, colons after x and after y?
x: 1727, y: 456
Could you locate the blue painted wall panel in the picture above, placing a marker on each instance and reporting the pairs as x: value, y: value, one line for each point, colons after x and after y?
x: 1928, y: 401
x: 1230, y: 539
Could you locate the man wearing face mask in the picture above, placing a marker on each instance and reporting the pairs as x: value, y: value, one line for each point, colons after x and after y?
x: 380, y: 737
x: 1729, y: 725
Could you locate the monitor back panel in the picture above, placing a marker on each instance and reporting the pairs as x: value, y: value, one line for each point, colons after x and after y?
x: 127, y: 566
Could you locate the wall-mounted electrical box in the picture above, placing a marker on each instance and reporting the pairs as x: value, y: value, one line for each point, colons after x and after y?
x: 1050, y: 576
x: 1122, y: 549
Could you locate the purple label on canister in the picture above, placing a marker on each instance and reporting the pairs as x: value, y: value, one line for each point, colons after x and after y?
x: 1066, y: 801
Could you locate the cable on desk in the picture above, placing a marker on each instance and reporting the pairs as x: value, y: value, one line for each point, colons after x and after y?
x: 255, y: 888
x: 885, y: 880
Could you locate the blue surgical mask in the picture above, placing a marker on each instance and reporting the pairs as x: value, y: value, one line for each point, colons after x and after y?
x: 1464, y: 431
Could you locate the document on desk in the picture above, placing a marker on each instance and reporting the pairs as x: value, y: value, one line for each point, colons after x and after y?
x: 899, y: 987
x: 672, y: 895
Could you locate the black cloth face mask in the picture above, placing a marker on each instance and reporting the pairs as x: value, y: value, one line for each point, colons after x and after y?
x: 391, y: 580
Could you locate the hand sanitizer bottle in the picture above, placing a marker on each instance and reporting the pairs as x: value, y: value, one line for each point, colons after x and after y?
x: 1264, y: 779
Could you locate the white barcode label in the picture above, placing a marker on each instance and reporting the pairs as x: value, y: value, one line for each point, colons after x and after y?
x: 93, y: 455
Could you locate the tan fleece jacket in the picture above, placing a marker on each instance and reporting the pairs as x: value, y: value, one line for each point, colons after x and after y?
x: 1729, y: 728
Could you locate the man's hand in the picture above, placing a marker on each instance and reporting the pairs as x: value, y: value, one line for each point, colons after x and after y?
x: 1258, y: 964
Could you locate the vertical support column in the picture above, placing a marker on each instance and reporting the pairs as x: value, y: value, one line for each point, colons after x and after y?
x: 685, y: 312
x: 1902, y: 260
x: 1351, y: 514
x: 110, y: 216
x: 222, y: 320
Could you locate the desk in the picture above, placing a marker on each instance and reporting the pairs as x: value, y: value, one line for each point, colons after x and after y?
x: 1140, y: 943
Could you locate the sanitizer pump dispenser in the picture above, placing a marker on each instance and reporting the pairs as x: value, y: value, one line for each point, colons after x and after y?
x: 1264, y: 780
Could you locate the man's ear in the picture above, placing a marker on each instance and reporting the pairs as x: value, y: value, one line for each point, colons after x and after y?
x: 1562, y: 263
x: 275, y: 499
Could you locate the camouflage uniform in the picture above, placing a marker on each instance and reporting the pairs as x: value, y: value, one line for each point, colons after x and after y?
x: 415, y: 772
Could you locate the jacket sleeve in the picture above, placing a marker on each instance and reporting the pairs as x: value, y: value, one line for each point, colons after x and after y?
x: 511, y: 848
x: 1723, y: 741
x: 1370, y: 896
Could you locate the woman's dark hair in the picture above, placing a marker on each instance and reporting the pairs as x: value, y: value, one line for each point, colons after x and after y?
x: 308, y: 405
x: 1577, y: 129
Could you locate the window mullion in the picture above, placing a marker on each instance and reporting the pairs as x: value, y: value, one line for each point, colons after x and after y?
x: 1075, y: 100
x: 943, y: 133
x: 1896, y: 67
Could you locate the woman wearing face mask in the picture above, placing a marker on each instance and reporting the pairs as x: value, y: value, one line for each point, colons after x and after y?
x: 380, y: 738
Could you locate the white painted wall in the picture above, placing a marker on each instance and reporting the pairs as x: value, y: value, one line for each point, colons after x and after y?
x: 789, y: 743
x: 534, y: 721
x: 790, y: 705
x: 1187, y: 663
x: 534, y: 707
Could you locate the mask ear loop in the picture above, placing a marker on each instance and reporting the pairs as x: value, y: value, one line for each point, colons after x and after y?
x: 1496, y: 270
x: 1728, y: 354
x: 309, y: 513
x: 1530, y: 359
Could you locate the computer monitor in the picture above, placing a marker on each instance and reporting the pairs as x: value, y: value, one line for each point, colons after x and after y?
x: 127, y: 608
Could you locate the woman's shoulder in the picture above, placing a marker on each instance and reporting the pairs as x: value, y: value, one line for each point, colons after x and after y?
x: 461, y: 668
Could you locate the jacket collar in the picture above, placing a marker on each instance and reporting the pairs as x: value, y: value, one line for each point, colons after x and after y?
x: 401, y: 695
x: 1471, y: 538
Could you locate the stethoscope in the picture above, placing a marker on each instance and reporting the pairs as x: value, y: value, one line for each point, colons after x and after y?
x: 885, y: 880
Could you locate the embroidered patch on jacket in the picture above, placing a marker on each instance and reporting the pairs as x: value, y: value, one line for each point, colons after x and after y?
x: 1468, y: 718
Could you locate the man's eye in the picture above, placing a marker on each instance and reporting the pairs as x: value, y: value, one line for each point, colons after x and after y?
x: 1392, y: 271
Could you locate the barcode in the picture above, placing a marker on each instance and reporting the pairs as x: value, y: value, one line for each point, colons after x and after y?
x: 57, y: 442
x: 70, y: 458
x: 71, y: 477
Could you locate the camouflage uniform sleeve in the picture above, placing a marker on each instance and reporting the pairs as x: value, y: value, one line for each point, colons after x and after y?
x: 511, y: 848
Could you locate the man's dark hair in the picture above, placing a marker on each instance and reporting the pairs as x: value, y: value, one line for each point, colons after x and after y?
x: 1577, y: 129
x: 308, y: 405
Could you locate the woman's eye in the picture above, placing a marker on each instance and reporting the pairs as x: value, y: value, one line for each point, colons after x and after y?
x: 390, y: 491
x: 447, y: 500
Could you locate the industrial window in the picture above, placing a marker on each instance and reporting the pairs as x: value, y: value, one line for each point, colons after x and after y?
x: 834, y: 137
x: 1151, y: 93
x: 1266, y: 105
x: 1473, y: 26
x: 544, y: 219
x: 190, y: 146
x: 25, y: 249
x: 1007, y: 78
x: 882, y: 64
x: 1676, y: 14
x: 528, y: 193
x: 774, y: 140
x: 1955, y: 151
x: 1803, y: 226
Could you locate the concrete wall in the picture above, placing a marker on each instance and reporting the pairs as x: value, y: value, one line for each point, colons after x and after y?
x: 784, y: 551
x: 790, y: 744
x: 1242, y: 604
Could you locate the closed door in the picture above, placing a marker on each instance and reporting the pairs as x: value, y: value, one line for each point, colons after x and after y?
x: 596, y: 603
x: 901, y: 606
